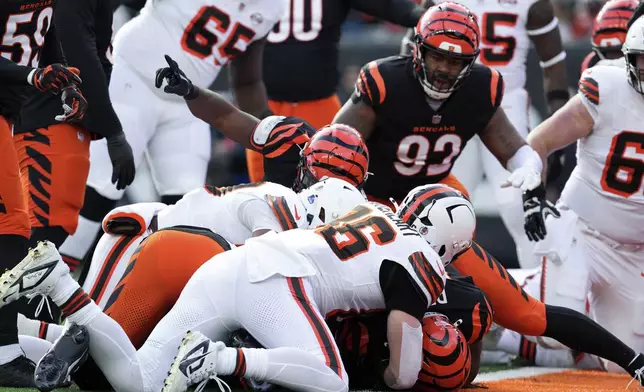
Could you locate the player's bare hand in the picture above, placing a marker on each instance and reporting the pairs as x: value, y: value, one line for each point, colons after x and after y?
x: 74, y: 105
x: 536, y: 209
x: 123, y: 169
x: 55, y: 77
x: 525, y: 178
x: 177, y: 81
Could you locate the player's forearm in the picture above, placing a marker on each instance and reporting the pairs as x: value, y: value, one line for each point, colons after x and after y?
x: 401, y: 12
x: 555, y: 84
x: 223, y: 116
x: 12, y: 73
x: 252, y: 98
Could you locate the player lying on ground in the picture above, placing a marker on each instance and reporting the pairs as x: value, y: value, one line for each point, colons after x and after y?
x: 277, y: 280
x: 236, y: 213
x: 145, y: 294
x: 599, y: 239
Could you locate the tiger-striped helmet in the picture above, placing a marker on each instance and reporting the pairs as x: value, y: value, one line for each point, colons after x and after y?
x: 447, y: 359
x: 336, y: 151
x: 443, y: 216
x: 610, y: 27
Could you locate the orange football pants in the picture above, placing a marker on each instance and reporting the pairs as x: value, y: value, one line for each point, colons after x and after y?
x: 155, y: 276
x: 14, y: 212
x: 513, y: 308
x: 318, y: 113
x: 54, y: 163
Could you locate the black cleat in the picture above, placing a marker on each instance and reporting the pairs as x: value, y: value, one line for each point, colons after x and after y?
x: 64, y: 358
x: 18, y: 373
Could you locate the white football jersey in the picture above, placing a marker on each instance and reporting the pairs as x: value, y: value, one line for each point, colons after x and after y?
x: 504, y: 38
x: 200, y: 35
x: 236, y: 212
x: 345, y: 259
x: 605, y: 189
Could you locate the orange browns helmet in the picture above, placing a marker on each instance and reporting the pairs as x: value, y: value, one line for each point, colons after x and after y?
x: 609, y: 30
x: 447, y: 29
x: 336, y: 151
x: 447, y: 359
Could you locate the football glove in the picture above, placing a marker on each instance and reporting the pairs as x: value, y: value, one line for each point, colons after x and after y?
x: 178, y: 82
x: 525, y: 178
x: 536, y: 209
x: 55, y: 77
x: 120, y: 152
x: 74, y: 104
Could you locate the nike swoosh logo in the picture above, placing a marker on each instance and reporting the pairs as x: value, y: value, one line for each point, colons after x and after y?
x: 297, y: 215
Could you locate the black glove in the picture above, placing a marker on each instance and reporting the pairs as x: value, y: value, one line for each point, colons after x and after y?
x: 122, y: 160
x: 536, y: 208
x: 55, y: 77
x: 74, y: 105
x: 178, y: 82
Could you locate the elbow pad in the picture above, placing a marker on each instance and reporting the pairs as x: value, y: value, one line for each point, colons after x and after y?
x: 133, y: 219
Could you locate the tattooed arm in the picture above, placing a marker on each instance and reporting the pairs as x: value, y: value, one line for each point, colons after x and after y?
x: 501, y: 138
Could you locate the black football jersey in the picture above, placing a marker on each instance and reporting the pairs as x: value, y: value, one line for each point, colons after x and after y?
x: 280, y: 140
x: 84, y: 28
x: 413, y: 144
x: 301, y: 58
x: 24, y: 28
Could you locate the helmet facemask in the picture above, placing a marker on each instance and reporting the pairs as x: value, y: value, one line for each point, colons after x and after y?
x: 634, y: 72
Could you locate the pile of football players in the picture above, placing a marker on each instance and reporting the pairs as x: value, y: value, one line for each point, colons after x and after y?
x: 349, y: 260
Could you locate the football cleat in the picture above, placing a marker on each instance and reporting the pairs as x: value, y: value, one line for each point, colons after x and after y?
x: 195, y: 363
x: 36, y: 274
x: 636, y: 370
x: 64, y: 358
x: 18, y: 373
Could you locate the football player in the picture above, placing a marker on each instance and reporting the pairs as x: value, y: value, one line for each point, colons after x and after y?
x: 310, y: 31
x: 598, y: 240
x: 367, y: 259
x: 507, y: 30
x: 235, y: 213
x: 293, y: 157
x: 609, y: 32
x: 203, y: 36
x: 417, y: 83
x: 20, y: 76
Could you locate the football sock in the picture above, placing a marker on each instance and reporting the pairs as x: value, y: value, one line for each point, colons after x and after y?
x: 583, y: 334
x: 39, y: 329
x: 34, y: 348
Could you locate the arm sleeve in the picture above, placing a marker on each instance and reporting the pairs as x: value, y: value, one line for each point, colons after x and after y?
x: 77, y: 21
x: 255, y: 214
x: 52, y: 51
x: 401, y: 291
x: 12, y: 73
x: 370, y: 86
x: 401, y: 12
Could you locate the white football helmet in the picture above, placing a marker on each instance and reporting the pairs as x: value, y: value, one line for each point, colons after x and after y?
x: 634, y: 46
x: 443, y: 216
x: 329, y: 199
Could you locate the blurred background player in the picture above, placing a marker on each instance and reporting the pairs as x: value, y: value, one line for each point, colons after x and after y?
x: 310, y: 31
x: 20, y: 76
x: 159, y: 126
x: 609, y: 31
x: 597, y: 250
x: 507, y: 29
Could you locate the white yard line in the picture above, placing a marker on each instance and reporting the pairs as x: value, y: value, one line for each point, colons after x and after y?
x: 517, y: 373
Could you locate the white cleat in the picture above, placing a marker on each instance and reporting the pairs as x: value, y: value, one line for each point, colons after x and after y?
x: 195, y: 363
x: 36, y: 274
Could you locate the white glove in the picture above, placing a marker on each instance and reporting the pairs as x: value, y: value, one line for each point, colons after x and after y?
x: 525, y: 178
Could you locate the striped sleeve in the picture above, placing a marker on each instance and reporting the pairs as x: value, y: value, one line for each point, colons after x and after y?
x: 280, y: 208
x: 431, y: 280
x: 370, y: 87
x: 589, y: 88
x: 497, y: 88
